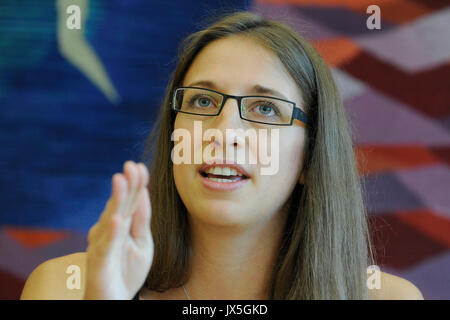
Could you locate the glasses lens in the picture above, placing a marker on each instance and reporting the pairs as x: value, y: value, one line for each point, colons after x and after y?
x: 267, y: 110
x: 197, y: 101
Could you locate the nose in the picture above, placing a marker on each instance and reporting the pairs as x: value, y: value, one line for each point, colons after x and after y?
x: 229, y: 116
x: 227, y: 122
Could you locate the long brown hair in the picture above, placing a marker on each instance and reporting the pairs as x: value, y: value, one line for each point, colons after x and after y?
x: 326, y: 247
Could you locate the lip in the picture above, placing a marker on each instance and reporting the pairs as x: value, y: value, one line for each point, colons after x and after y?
x: 223, y: 186
x: 229, y: 164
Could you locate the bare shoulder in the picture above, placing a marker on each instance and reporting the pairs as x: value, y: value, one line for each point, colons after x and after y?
x: 171, y: 294
x: 395, y: 288
x: 48, y: 280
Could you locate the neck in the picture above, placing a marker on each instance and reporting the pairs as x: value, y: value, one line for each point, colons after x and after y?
x: 232, y: 264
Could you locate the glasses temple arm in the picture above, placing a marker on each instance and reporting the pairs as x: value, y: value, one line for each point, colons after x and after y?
x: 300, y: 115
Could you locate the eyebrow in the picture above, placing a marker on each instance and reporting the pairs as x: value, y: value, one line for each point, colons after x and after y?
x: 256, y: 88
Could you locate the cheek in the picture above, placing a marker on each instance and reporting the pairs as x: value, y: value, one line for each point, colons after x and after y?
x: 285, y: 147
x: 291, y: 155
x: 276, y: 189
x: 182, y: 172
x: 179, y: 175
x: 183, y: 178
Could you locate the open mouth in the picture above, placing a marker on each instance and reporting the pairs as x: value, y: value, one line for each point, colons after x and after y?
x: 223, y: 174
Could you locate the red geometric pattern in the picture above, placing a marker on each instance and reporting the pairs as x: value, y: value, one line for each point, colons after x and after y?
x: 399, y: 244
x: 412, y: 89
x: 395, y: 86
x: 11, y: 287
x: 337, y: 51
x: 434, y: 226
x: 379, y: 158
x: 396, y: 11
x: 443, y: 153
x: 33, y: 238
x: 23, y: 249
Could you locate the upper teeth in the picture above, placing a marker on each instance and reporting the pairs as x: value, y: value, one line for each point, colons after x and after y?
x: 223, y: 171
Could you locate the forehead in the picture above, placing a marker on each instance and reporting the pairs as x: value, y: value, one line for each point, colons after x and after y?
x: 237, y: 63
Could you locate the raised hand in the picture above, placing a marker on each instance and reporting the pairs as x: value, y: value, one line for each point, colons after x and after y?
x: 120, y: 244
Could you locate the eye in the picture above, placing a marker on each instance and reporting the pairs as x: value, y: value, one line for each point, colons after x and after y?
x: 204, y: 102
x: 266, y: 109
x: 201, y: 101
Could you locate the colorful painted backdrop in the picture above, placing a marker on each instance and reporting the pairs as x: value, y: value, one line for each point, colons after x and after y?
x: 75, y: 106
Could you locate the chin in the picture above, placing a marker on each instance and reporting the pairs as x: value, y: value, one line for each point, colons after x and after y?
x: 219, y: 212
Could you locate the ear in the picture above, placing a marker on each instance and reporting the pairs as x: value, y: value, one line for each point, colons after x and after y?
x: 302, y: 178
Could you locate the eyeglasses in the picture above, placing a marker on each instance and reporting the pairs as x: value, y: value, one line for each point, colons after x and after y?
x: 259, y: 109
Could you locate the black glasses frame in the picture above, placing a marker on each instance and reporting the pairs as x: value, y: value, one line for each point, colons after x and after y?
x: 297, y: 113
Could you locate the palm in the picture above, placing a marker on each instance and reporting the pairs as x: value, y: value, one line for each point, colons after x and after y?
x: 120, y: 251
x: 136, y: 263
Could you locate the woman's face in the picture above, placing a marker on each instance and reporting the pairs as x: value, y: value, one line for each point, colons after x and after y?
x: 235, y: 65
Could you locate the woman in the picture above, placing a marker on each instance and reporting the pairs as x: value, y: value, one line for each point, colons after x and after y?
x: 298, y: 233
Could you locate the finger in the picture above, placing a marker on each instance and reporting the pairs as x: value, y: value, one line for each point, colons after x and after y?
x: 141, y: 215
x: 119, y: 192
x: 120, y: 188
x: 143, y: 181
x: 140, y: 226
x: 110, y: 229
x: 92, y: 234
x: 112, y: 220
x: 145, y: 173
x: 132, y: 175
